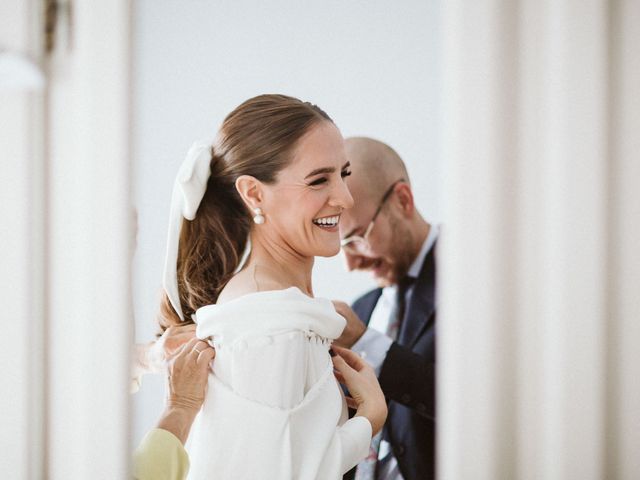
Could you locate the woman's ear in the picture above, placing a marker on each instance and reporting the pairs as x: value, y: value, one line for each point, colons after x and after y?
x: 250, y: 190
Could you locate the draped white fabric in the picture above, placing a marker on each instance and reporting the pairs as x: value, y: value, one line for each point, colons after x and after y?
x: 189, y: 188
x: 274, y: 408
x: 540, y: 265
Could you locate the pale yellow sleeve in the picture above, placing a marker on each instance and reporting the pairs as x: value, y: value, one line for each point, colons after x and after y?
x: 160, y: 456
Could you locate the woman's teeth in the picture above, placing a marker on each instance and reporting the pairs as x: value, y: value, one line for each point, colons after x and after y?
x: 327, y: 221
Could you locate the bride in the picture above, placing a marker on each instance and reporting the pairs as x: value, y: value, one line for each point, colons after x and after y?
x: 258, y: 206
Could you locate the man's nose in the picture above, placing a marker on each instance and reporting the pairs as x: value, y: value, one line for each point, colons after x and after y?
x: 352, y: 261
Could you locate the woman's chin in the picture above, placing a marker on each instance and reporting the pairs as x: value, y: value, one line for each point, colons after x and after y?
x: 328, y: 250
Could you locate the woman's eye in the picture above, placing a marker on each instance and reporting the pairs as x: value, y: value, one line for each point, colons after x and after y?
x: 320, y: 181
x: 317, y: 182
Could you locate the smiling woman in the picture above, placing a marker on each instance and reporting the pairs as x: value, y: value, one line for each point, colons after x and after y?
x: 282, y: 163
x: 277, y: 156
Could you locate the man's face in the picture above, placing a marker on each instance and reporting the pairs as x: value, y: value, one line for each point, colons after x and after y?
x: 387, y: 253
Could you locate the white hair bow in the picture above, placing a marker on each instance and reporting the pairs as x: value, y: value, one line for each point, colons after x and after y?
x: 188, y: 191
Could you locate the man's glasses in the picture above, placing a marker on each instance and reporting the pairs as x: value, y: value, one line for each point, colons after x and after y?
x: 355, y: 243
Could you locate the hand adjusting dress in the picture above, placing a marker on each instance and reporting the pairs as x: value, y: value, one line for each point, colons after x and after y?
x: 274, y: 409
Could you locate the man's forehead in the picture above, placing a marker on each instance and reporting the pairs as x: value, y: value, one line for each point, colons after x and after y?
x: 357, y: 184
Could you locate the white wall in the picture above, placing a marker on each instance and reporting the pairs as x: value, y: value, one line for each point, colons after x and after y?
x: 374, y: 66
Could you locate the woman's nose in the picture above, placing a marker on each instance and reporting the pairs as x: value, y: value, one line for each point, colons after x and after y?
x: 341, y: 196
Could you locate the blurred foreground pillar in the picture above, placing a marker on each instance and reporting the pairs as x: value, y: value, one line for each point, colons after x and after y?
x: 540, y: 304
x: 89, y: 220
x: 66, y: 239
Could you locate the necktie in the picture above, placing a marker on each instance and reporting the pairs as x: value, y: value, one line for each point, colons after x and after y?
x: 367, y: 468
x: 400, y: 308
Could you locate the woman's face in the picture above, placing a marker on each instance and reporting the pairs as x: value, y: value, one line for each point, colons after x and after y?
x: 302, y: 208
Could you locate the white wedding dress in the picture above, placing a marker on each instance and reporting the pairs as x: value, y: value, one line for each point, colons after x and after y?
x: 274, y: 409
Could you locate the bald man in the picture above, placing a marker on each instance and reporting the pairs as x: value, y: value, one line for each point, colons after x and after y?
x: 393, y: 326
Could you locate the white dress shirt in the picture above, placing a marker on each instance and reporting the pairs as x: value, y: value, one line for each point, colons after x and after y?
x: 374, y: 345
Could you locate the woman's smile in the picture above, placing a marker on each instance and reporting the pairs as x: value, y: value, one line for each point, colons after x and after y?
x: 329, y: 223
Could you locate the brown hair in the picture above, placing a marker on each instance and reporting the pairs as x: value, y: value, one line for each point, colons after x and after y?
x: 257, y: 139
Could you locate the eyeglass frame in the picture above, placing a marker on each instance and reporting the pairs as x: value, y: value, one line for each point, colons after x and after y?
x: 362, y: 239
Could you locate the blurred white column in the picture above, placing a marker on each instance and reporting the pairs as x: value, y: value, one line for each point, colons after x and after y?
x: 89, y: 172
x: 623, y: 279
x: 21, y: 243
x: 540, y: 271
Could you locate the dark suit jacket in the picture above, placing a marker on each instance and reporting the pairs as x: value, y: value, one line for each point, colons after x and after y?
x: 408, y: 376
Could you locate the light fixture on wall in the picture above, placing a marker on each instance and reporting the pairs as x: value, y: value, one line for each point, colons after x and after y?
x: 17, y: 72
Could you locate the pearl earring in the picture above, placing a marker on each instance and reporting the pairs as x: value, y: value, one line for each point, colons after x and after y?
x: 258, y: 218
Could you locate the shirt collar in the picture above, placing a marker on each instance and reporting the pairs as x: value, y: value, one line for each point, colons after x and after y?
x: 414, y: 270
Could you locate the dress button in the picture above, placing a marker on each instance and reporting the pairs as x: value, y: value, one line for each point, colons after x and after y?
x: 421, y: 407
x: 405, y: 398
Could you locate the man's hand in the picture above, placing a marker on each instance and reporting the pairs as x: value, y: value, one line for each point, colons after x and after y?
x: 354, y: 329
x: 358, y: 376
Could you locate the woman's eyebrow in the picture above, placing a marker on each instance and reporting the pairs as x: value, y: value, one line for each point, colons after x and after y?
x: 318, y: 171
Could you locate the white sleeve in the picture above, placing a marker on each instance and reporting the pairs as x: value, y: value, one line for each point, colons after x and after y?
x: 349, y: 446
x: 355, y: 439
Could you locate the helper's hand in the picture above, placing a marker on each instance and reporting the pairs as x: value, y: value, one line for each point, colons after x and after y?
x: 168, y: 345
x: 187, y: 384
x: 354, y: 329
x: 188, y: 373
x: 360, y: 378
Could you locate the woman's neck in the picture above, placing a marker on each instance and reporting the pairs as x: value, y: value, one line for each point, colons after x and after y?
x: 281, y: 264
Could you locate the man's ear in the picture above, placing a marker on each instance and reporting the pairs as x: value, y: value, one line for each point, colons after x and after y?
x: 250, y: 190
x: 404, y: 199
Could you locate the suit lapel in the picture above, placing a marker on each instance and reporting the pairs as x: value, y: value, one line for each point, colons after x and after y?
x: 365, y: 305
x: 422, y: 304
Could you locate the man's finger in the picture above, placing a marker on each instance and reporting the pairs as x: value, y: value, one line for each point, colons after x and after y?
x: 352, y: 359
x: 339, y: 305
x: 339, y: 376
x: 342, y: 367
x: 351, y: 403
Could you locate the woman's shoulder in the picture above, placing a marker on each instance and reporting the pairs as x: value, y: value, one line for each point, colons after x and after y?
x: 265, y: 311
x: 245, y: 283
